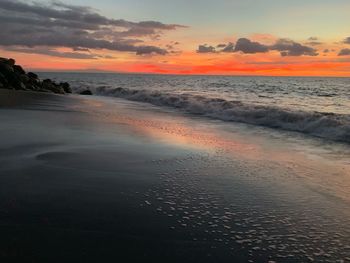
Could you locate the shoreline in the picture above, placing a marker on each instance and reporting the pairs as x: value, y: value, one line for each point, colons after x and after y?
x: 101, y: 179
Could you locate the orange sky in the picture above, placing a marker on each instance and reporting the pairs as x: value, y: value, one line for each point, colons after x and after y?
x: 113, y: 44
x: 190, y: 62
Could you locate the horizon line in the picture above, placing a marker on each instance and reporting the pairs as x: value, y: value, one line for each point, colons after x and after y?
x: 181, y: 74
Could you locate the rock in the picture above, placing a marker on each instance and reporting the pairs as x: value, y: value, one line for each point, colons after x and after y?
x: 11, y: 62
x: 32, y: 75
x: 13, y: 76
x: 24, y: 78
x: 3, y: 80
x: 20, y: 86
x: 48, y: 84
x: 19, y: 70
x: 9, y: 77
x: 6, y: 69
x: 66, y: 87
x: 86, y: 92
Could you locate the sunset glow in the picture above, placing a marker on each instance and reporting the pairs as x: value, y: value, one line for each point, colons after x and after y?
x: 214, y: 39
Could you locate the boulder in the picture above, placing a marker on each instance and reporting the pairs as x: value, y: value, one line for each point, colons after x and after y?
x: 24, y: 78
x: 19, y: 70
x: 48, y: 84
x: 13, y: 80
x: 3, y: 80
x: 11, y: 62
x: 86, y: 92
x: 66, y: 87
x: 32, y: 75
x: 13, y: 76
x: 6, y: 69
x: 20, y: 86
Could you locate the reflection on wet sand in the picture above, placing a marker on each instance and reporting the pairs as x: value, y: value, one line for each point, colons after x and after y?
x: 325, y: 174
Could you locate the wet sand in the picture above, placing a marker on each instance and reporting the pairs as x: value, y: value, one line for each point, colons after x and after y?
x: 88, y: 179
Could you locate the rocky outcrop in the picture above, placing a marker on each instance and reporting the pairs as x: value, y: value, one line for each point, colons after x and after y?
x: 14, y: 77
x: 85, y: 92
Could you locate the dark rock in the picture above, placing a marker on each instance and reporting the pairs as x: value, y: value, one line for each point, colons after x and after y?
x: 24, y: 78
x: 19, y: 70
x: 20, y: 86
x: 86, y: 92
x: 3, y: 80
x: 11, y: 62
x: 6, y: 69
x: 13, y: 76
x: 10, y: 77
x: 32, y: 75
x: 48, y: 84
x: 66, y: 87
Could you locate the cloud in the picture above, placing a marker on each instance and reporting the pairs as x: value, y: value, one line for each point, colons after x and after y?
x: 33, y: 24
x: 249, y: 47
x: 344, y: 52
x: 221, y: 45
x: 347, y: 40
x: 81, y: 49
x: 230, y: 47
x: 55, y: 53
x: 288, y: 47
x: 206, y: 49
x: 313, y: 41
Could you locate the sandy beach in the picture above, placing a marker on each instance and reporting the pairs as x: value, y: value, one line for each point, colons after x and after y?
x: 93, y: 179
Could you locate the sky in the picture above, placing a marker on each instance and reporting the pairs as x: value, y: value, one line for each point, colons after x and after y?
x: 237, y: 37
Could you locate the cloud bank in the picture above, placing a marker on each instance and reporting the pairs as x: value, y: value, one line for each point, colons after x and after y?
x: 286, y: 47
x: 34, y: 24
x: 344, y: 52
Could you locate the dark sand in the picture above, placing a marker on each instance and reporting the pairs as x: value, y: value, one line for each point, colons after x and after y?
x: 85, y: 179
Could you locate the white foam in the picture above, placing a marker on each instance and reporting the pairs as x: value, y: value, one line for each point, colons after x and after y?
x: 326, y: 125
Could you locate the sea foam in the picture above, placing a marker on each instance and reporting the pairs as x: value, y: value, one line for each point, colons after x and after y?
x: 331, y: 126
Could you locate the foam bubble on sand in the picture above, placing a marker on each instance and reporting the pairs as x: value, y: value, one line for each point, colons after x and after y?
x: 204, y: 215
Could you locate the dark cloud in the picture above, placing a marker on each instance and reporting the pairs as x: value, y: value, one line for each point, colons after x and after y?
x: 55, y: 53
x: 81, y: 49
x: 206, y: 49
x: 249, y: 47
x: 288, y: 47
x: 344, y: 52
x: 57, y: 24
x: 347, y: 40
x: 221, y: 46
x: 230, y: 47
x: 326, y: 50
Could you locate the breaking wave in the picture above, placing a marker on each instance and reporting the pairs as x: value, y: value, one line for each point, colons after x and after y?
x: 325, y: 125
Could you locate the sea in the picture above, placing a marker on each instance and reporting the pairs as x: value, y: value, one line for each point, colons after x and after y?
x: 314, y: 106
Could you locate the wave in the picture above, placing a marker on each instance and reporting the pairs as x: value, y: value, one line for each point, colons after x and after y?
x: 325, y: 125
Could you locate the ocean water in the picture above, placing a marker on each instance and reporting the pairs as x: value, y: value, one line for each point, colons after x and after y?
x: 315, y: 106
